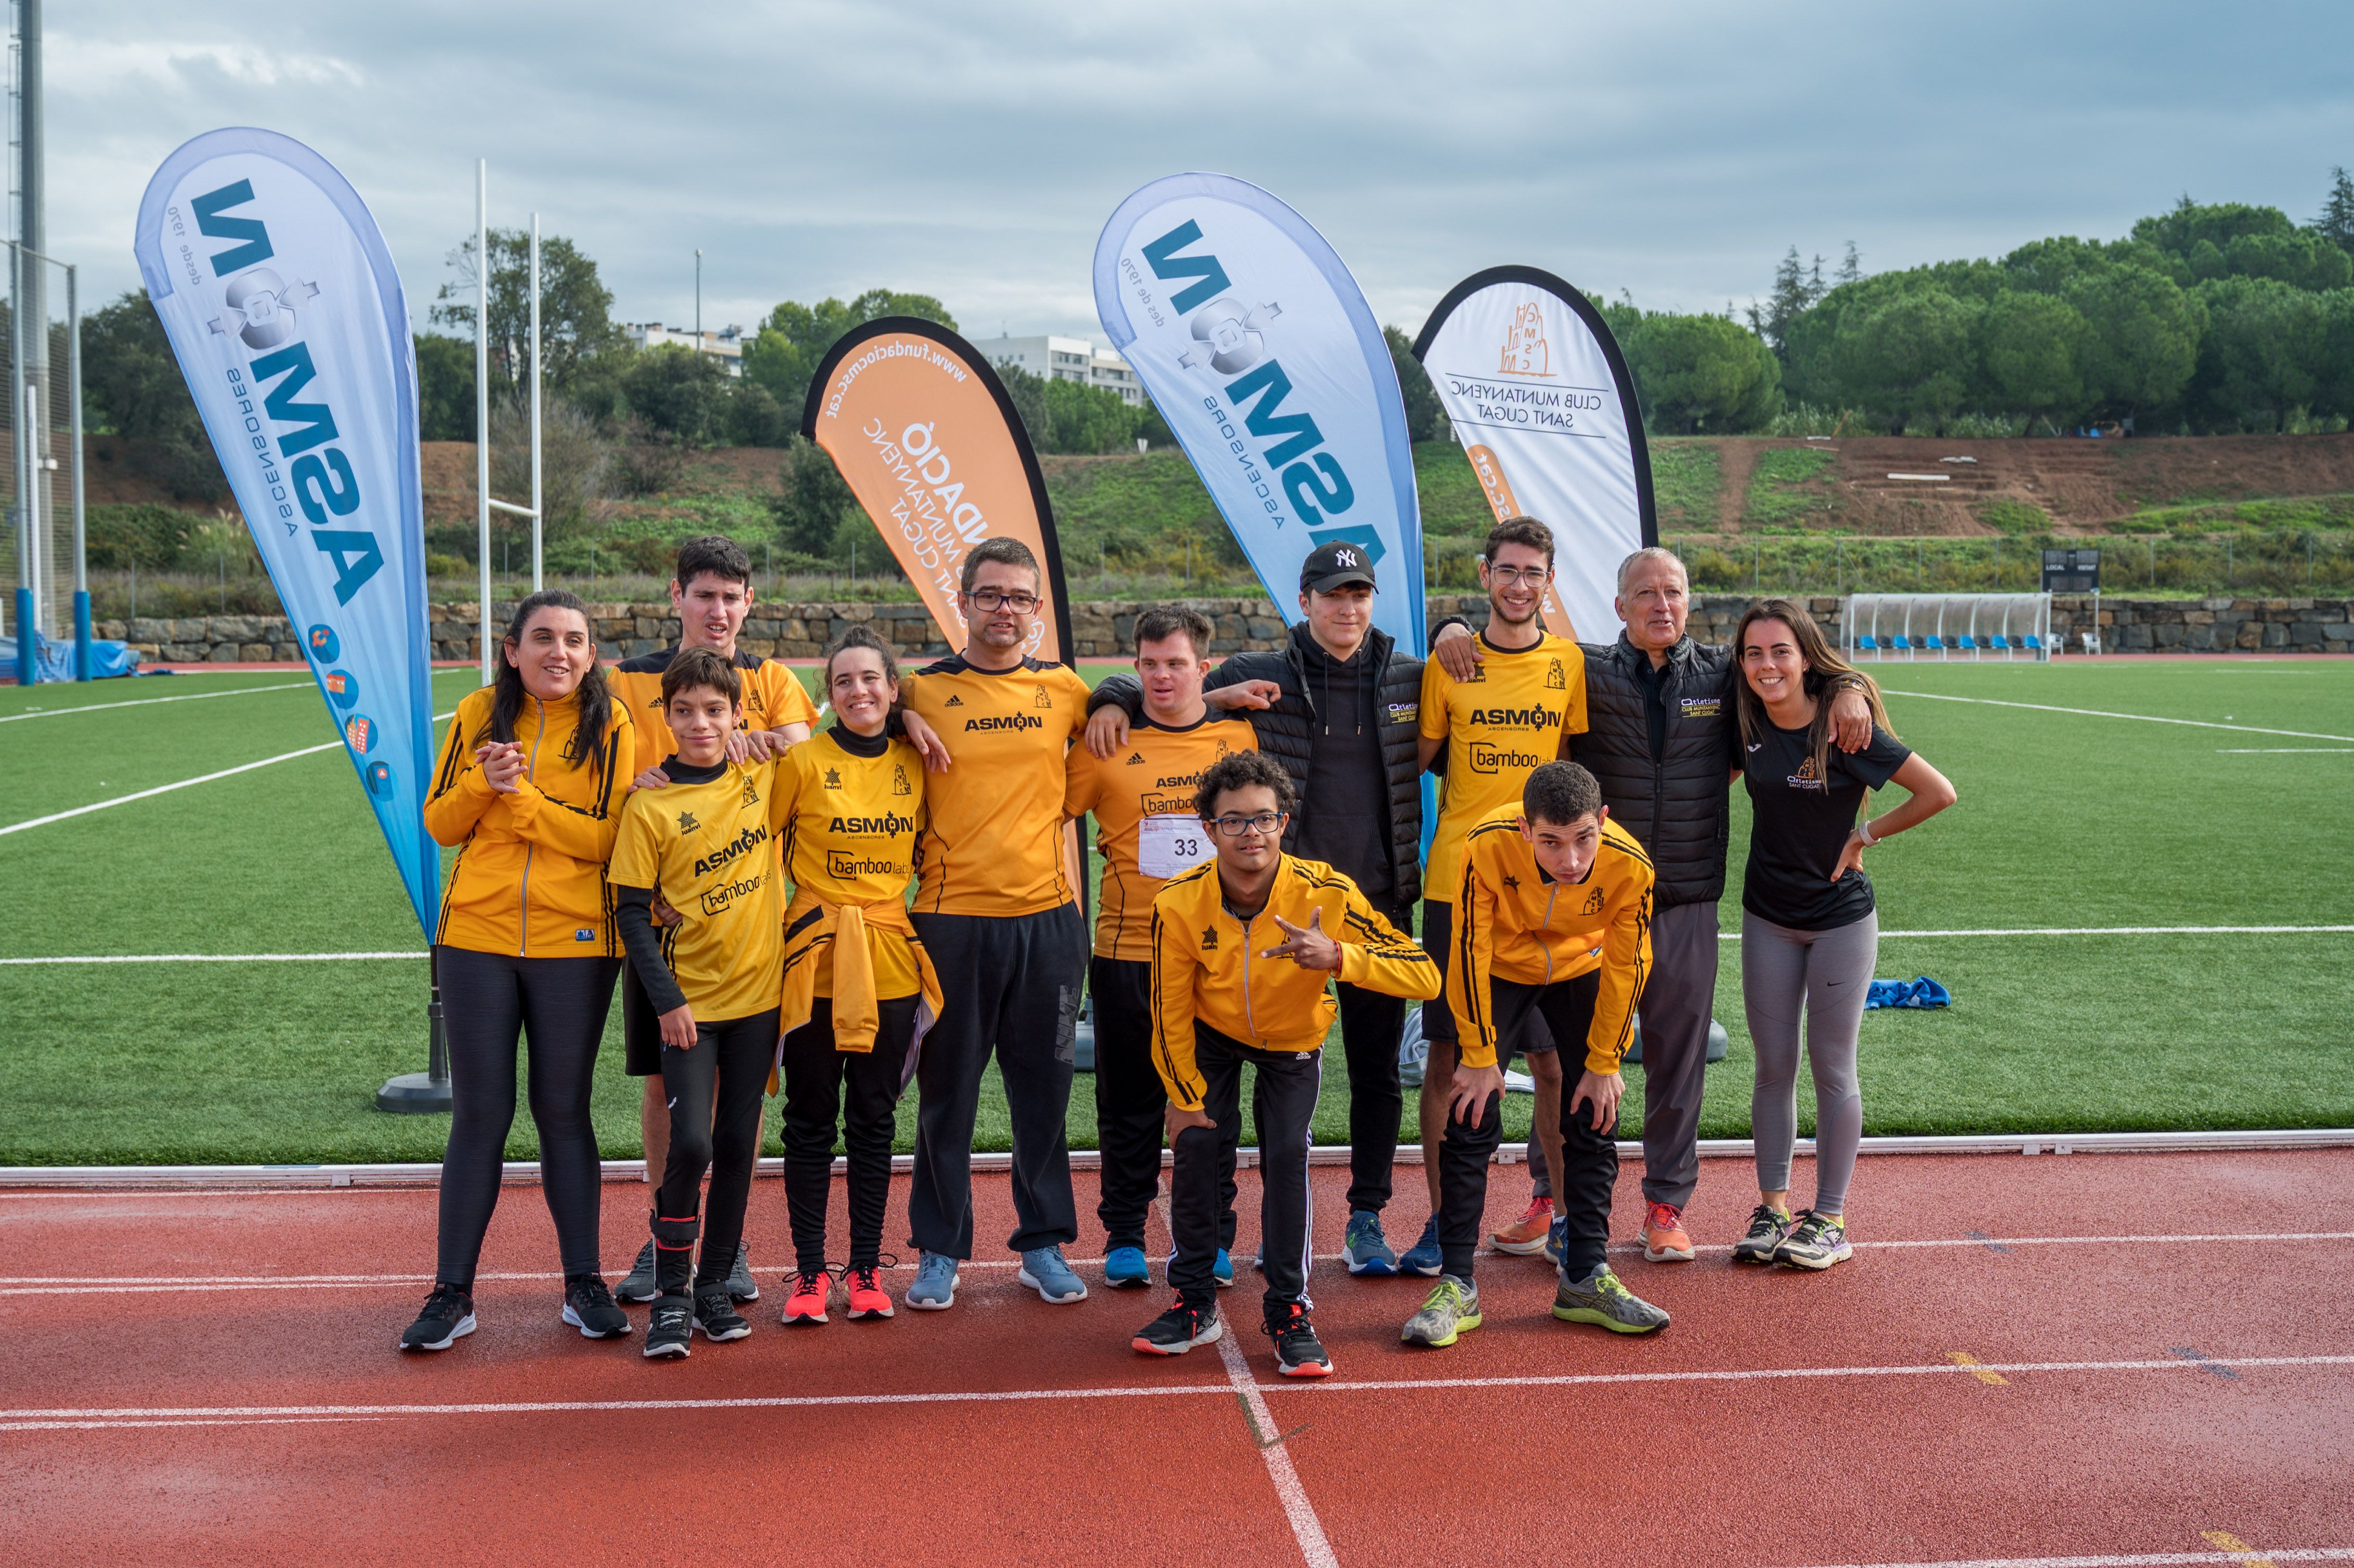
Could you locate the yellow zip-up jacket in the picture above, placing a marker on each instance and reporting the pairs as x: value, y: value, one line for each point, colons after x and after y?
x: 529, y: 878
x: 1515, y: 922
x: 1207, y: 965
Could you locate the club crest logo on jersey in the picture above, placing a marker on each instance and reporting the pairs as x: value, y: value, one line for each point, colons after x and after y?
x: 1042, y: 700
x: 1810, y: 776
x: 834, y: 778
x: 1593, y: 903
x: 686, y: 822
x: 751, y: 795
x: 342, y: 690
x: 899, y: 785
x: 1555, y: 680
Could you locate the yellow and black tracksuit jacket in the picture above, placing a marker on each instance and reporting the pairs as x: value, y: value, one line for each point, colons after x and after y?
x: 850, y: 807
x: 1499, y: 727
x: 993, y: 842
x: 707, y: 843
x: 1154, y: 776
x: 773, y: 697
x: 529, y: 879
x: 1209, y: 965
x: 1515, y: 922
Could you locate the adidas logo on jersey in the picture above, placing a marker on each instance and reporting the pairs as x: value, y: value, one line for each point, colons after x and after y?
x: 1135, y: 758
x: 954, y: 703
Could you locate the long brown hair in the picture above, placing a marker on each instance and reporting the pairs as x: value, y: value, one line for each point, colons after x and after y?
x: 595, y: 713
x: 1824, y: 667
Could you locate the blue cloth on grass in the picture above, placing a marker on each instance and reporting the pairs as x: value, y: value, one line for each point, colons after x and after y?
x: 1921, y: 992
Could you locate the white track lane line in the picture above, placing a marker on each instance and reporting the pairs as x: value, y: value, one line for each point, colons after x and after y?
x: 86, y: 1285
x: 150, y: 702
x: 2139, y: 1558
x: 183, y: 784
x: 35, y: 1419
x: 2102, y: 713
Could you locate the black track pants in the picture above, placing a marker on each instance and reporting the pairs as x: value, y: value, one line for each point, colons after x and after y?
x: 1372, y: 1024
x: 1589, y: 1157
x: 557, y: 1006
x: 861, y: 1088
x: 1201, y: 1184
x: 728, y: 1069
x: 1010, y: 985
x: 1129, y: 1104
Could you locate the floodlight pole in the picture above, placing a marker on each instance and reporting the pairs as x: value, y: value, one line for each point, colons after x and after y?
x: 538, y: 512
x: 85, y: 654
x: 483, y: 404
x: 28, y: 666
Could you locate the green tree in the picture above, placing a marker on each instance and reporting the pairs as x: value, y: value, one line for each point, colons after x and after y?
x: 812, y: 504
x: 132, y: 386
x: 2302, y: 259
x: 1426, y: 416
x: 2336, y: 393
x: 753, y: 415
x: 2336, y: 223
x: 2031, y: 353
x: 2261, y: 355
x: 1026, y: 390
x: 1906, y: 357
x: 1796, y: 291
x: 681, y: 395
x: 1703, y: 375
x: 445, y: 389
x: 576, y: 326
x: 2142, y: 342
x: 2179, y: 232
x: 785, y: 354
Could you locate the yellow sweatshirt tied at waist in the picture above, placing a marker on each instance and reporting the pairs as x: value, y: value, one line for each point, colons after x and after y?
x: 812, y: 926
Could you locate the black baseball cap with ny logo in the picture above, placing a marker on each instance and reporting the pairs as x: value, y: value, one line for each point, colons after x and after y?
x: 1334, y: 563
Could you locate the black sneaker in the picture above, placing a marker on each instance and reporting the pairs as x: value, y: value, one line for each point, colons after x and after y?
x: 715, y: 1315
x: 671, y: 1331
x: 741, y: 1285
x: 589, y: 1307
x: 1179, y: 1330
x: 638, y: 1286
x: 1298, y: 1352
x: 449, y: 1317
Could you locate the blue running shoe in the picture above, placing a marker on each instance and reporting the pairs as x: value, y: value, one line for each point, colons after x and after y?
x: 1125, y: 1269
x: 936, y: 1283
x: 1223, y: 1270
x: 1366, y: 1249
x: 1043, y: 1271
x: 1424, y: 1257
x: 1555, y: 1238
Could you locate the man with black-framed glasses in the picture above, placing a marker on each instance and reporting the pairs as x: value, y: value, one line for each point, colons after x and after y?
x: 998, y: 914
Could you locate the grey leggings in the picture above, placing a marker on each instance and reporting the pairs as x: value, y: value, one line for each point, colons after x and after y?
x: 1829, y: 974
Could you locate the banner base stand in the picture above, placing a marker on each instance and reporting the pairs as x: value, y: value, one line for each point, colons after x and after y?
x: 415, y: 1094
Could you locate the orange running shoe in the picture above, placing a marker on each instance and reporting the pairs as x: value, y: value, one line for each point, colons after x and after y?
x: 1663, y: 1235
x: 867, y: 1298
x: 1526, y: 1238
x: 805, y: 1302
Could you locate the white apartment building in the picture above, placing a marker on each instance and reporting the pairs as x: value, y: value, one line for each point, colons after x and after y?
x: 726, y: 345
x: 1067, y: 359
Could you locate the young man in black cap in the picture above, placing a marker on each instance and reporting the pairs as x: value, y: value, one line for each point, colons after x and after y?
x: 1337, y: 706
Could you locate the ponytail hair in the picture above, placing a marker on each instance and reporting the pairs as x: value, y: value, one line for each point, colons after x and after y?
x: 596, y: 698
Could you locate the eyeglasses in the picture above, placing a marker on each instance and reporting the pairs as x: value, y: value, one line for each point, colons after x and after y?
x: 989, y: 601
x: 1513, y: 577
x: 1265, y: 823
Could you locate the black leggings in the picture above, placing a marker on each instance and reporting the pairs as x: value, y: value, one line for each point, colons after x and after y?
x: 557, y: 1006
x: 728, y: 1066
x: 816, y: 1075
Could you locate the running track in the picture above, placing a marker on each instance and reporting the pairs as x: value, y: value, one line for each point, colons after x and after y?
x: 209, y: 1377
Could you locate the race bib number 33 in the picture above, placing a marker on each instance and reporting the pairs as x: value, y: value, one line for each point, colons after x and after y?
x: 1166, y: 845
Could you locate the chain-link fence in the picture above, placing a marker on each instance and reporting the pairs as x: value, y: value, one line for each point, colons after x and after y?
x: 38, y: 418
x: 2277, y: 564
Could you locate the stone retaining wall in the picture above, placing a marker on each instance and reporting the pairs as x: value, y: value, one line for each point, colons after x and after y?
x: 1100, y: 628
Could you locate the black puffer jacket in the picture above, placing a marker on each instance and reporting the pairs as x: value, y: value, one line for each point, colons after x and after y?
x: 1284, y: 729
x: 1679, y: 808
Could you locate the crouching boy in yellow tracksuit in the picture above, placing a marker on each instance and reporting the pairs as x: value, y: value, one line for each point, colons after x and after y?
x: 1243, y: 948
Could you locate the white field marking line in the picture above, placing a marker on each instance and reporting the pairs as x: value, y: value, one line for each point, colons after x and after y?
x: 2102, y: 712
x: 2285, y: 751
x: 141, y: 1415
x: 214, y: 959
x: 183, y: 784
x: 2139, y: 1558
x: 150, y: 702
x: 92, y: 1285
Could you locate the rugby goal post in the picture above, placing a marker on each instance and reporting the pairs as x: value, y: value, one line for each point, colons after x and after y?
x: 1879, y: 628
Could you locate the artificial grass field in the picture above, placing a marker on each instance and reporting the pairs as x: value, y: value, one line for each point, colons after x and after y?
x: 2064, y: 820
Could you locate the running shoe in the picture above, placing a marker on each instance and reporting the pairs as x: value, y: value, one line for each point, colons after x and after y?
x: 449, y: 1317
x: 1452, y: 1309
x: 1817, y: 1241
x: 741, y: 1285
x: 936, y: 1282
x: 805, y: 1301
x: 1180, y: 1328
x: 1767, y: 1227
x: 589, y: 1307
x: 1526, y: 1236
x: 1222, y: 1269
x: 867, y: 1298
x: 1664, y: 1240
x: 716, y: 1317
x: 1043, y: 1271
x: 1366, y: 1249
x: 1424, y: 1256
x: 638, y: 1286
x: 671, y: 1331
x: 1603, y: 1301
x: 1125, y: 1269
x: 1556, y: 1237
x: 1298, y: 1352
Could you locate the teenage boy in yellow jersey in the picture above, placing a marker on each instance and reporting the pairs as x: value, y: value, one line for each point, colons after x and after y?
x: 710, y: 592
x: 1524, y: 697
x: 997, y: 911
x: 1147, y: 830
x: 1552, y: 915
x: 707, y: 842
x: 1242, y: 950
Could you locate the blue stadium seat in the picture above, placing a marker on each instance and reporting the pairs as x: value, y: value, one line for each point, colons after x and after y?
x: 1996, y: 640
x: 1898, y: 641
x: 2034, y: 641
x: 1932, y: 642
x: 1965, y: 641
x: 1865, y: 643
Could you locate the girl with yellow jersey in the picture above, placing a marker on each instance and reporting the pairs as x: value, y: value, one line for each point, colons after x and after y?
x: 529, y: 789
x: 859, y: 991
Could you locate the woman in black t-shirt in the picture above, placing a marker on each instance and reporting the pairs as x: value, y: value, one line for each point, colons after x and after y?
x: 1809, y: 934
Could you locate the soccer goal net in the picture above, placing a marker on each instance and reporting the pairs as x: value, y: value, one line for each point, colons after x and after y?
x: 1893, y: 626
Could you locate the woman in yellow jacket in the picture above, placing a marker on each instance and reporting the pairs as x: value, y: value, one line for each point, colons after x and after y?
x: 529, y: 789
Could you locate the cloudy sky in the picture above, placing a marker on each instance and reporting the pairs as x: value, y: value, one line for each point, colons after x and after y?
x: 973, y: 151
